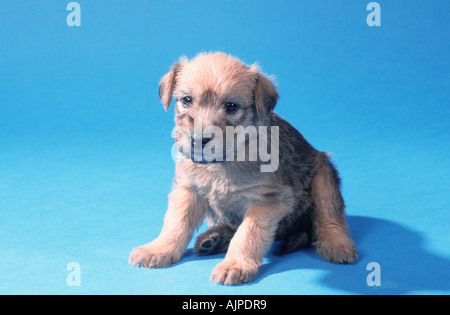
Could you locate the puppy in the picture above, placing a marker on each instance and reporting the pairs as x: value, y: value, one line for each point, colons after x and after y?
x: 249, y: 201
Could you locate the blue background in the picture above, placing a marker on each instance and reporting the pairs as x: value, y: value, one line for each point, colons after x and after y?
x: 85, y: 164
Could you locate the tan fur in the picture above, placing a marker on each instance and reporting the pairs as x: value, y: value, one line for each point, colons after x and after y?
x: 185, y: 212
x: 249, y: 245
x: 300, y: 202
x: 333, y: 240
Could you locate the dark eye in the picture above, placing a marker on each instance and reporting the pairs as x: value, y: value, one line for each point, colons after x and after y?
x: 187, y: 101
x: 231, y: 107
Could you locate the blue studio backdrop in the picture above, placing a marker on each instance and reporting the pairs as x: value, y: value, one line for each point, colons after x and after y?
x: 85, y: 144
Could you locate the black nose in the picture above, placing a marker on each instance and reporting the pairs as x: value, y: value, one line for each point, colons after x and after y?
x: 204, y: 141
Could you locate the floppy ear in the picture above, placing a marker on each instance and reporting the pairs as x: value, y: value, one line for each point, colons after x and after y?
x: 167, y: 84
x: 266, y: 95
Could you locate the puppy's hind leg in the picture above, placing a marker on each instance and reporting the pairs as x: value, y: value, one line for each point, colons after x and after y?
x: 330, y: 232
x: 213, y: 241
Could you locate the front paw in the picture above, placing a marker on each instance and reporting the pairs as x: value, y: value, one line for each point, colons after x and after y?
x: 233, y: 272
x: 153, y: 255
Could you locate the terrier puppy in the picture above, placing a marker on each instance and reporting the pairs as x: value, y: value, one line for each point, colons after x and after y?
x: 296, y: 198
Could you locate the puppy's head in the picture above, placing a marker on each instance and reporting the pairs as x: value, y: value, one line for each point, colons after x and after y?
x: 211, y: 92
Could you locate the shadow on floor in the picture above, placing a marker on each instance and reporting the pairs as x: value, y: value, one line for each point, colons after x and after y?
x: 405, y: 264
